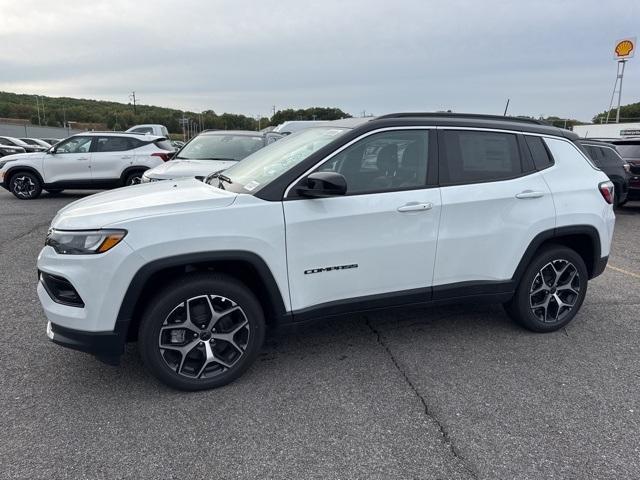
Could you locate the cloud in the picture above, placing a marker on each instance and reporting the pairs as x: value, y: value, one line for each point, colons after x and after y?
x: 549, y: 57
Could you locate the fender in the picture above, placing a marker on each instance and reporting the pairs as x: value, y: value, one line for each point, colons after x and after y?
x: 559, y: 232
x: 21, y: 168
x: 145, y: 273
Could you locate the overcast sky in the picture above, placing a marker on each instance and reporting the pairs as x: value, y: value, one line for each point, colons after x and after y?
x: 550, y: 57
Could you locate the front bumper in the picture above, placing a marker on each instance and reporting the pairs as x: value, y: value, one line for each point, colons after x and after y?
x: 107, y: 346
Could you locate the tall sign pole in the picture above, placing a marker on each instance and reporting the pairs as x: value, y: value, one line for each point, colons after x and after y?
x: 623, y: 51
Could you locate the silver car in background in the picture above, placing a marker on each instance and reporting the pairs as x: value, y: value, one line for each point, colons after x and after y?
x: 211, y: 151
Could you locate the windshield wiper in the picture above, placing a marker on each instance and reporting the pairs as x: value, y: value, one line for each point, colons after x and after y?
x: 221, y: 178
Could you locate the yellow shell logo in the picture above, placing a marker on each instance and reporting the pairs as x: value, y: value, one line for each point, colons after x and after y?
x: 624, y: 48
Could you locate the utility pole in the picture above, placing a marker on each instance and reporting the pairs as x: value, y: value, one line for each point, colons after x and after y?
x: 44, y: 116
x: 38, y: 110
x: 133, y: 98
x: 274, y: 109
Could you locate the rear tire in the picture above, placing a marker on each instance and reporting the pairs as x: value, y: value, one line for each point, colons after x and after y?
x: 25, y: 185
x: 551, y: 290
x: 133, y: 179
x: 202, y: 331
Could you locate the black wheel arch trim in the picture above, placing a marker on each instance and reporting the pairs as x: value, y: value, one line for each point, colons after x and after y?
x: 21, y: 168
x: 144, y: 274
x: 558, y: 233
x: 132, y: 169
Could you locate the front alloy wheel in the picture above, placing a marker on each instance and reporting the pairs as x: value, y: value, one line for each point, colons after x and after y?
x: 25, y: 186
x: 204, y: 336
x: 201, y: 331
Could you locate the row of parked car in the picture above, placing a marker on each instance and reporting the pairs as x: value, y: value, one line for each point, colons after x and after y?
x: 619, y: 158
x: 12, y: 145
x: 96, y: 160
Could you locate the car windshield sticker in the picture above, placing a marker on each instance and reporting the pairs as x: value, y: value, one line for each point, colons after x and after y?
x: 251, y: 185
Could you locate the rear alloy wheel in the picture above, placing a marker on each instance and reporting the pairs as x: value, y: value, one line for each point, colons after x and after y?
x: 133, y: 179
x: 201, y: 332
x: 25, y: 186
x: 551, y: 290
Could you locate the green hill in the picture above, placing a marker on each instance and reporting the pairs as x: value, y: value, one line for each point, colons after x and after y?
x: 120, y: 116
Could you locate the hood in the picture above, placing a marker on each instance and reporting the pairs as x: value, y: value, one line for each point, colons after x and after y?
x: 188, y: 168
x: 24, y: 156
x: 144, y: 200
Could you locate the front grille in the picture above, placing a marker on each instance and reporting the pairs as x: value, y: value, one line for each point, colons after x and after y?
x: 60, y: 290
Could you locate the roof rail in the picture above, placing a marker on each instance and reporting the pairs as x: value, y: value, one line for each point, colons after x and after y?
x: 477, y: 116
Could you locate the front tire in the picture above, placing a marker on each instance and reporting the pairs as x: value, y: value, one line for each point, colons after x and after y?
x: 551, y: 291
x: 202, y: 331
x: 25, y: 185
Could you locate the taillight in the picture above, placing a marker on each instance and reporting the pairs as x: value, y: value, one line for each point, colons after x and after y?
x: 607, y: 191
x: 164, y: 156
x: 627, y: 167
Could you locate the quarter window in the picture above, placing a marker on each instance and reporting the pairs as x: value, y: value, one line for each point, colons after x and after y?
x: 473, y: 157
x: 386, y: 161
x: 541, y: 157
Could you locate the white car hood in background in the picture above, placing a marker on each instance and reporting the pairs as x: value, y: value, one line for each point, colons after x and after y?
x: 188, y: 168
x: 161, y: 198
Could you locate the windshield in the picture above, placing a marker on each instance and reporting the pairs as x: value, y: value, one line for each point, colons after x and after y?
x: 220, y: 147
x: 269, y: 163
x: 629, y: 150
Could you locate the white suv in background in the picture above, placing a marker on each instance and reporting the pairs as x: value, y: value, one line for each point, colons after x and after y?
x: 91, y: 160
x: 401, y: 210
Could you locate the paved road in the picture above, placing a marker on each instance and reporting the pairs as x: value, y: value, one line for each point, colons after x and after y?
x: 456, y: 392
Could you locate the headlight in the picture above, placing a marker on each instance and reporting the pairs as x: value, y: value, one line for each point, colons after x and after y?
x: 84, y: 242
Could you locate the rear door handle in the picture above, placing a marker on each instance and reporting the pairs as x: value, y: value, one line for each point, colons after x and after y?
x: 415, y: 207
x: 83, y: 159
x: 126, y: 157
x: 529, y: 194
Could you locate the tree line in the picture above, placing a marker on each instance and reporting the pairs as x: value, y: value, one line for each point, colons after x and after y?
x: 58, y: 111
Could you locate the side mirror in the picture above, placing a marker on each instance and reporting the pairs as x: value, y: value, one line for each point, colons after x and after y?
x: 322, y: 184
x: 51, y: 151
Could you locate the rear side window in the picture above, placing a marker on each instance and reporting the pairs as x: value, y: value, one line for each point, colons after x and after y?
x: 114, y: 144
x: 541, y: 157
x: 164, y: 144
x: 612, y: 156
x: 142, y: 130
x: 473, y: 157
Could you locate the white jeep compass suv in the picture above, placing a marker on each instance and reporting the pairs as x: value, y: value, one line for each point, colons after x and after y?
x: 91, y: 160
x: 398, y: 210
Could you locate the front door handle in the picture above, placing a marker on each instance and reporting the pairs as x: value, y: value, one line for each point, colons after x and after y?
x: 415, y: 207
x: 529, y: 194
x: 83, y: 159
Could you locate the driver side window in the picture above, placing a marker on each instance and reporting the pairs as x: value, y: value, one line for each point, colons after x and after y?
x: 74, y: 145
x: 382, y: 162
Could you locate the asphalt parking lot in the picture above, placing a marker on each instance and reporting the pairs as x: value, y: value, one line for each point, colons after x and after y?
x: 455, y: 392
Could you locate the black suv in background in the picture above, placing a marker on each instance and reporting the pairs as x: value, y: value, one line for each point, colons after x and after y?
x: 629, y: 150
x: 607, y: 159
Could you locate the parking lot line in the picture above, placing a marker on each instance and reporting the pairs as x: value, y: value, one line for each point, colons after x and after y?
x: 621, y: 270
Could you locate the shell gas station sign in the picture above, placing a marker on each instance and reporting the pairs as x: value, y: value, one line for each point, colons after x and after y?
x: 625, y: 48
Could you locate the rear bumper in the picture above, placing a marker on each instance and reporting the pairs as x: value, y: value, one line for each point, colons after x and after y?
x: 107, y: 346
x: 599, y: 266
